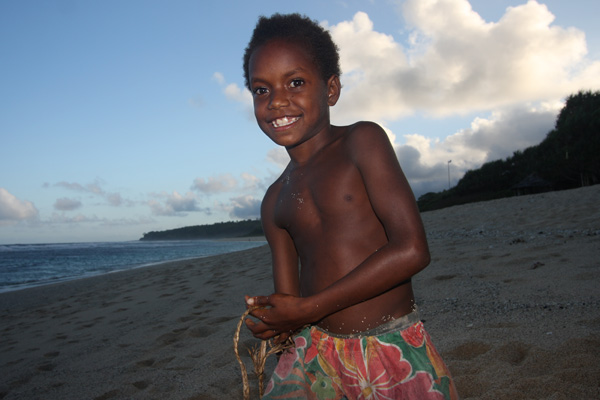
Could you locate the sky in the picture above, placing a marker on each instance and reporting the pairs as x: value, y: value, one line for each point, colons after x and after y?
x: 124, y: 117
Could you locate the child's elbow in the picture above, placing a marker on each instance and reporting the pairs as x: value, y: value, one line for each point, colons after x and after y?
x: 425, y: 259
x: 422, y: 258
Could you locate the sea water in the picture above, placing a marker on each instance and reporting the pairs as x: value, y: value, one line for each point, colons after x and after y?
x: 27, y: 265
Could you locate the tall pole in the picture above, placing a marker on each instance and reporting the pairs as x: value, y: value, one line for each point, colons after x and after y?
x: 449, y: 161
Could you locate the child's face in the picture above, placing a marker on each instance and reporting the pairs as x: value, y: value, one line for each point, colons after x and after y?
x: 291, y: 99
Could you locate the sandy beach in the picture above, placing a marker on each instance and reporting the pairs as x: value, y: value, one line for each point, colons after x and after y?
x: 511, y: 300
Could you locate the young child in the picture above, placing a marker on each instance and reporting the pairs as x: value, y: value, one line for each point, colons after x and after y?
x: 344, y: 231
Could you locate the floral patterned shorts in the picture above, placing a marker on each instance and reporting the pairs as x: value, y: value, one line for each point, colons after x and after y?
x: 400, y: 363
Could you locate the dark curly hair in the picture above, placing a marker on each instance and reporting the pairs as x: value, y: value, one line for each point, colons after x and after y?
x: 302, y: 30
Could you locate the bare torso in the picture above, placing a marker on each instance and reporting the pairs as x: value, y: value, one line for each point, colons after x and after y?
x: 325, y: 208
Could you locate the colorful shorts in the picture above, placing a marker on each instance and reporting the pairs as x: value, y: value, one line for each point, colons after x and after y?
x: 393, y: 361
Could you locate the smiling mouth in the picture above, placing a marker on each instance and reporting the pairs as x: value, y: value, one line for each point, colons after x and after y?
x: 285, y: 121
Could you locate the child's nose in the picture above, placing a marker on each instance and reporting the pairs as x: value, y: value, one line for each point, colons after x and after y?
x: 278, y: 99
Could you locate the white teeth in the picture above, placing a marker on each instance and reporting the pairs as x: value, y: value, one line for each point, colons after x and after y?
x: 279, y: 122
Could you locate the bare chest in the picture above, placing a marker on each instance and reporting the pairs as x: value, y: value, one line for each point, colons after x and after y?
x: 318, y: 198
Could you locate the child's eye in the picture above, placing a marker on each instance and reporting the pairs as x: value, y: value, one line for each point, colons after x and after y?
x: 259, y: 90
x: 296, y: 83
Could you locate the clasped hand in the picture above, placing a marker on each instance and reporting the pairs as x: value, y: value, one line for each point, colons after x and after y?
x: 277, y: 314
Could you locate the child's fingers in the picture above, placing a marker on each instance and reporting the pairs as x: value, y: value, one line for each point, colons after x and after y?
x: 259, y: 329
x: 258, y: 301
x: 281, y: 338
x: 249, y: 301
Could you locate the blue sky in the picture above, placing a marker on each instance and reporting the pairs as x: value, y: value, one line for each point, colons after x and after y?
x: 124, y: 117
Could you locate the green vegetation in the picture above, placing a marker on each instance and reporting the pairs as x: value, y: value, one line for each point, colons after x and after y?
x: 567, y: 158
x: 219, y: 230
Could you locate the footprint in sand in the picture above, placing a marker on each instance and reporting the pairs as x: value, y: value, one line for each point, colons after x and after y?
x: 163, y: 362
x: 201, y: 331
x: 220, y: 320
x: 179, y: 330
x: 145, y: 363
x: 141, y: 385
x: 514, y: 353
x: 468, y: 351
x: 108, y: 395
x: 444, y: 277
x: 11, y: 363
x: 167, y: 339
x: 46, y: 367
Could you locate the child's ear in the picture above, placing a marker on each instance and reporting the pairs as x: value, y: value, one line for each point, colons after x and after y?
x: 334, y: 88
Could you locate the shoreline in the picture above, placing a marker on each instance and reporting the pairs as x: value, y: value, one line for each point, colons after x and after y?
x: 36, y: 295
x: 510, y: 299
x: 29, y: 285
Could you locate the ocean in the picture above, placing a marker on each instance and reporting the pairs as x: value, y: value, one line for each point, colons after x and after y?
x: 28, y: 265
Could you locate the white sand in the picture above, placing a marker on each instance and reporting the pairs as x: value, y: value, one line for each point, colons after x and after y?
x: 511, y: 300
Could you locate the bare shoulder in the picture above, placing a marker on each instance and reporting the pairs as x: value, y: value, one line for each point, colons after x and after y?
x: 272, y: 193
x: 267, y: 209
x: 366, y: 127
x: 366, y: 137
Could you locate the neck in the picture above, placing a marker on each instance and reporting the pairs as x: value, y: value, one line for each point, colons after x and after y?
x: 302, y: 153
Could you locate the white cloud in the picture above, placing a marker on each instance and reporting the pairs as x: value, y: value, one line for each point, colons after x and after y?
x: 218, y: 184
x: 251, y: 182
x: 425, y: 161
x: 114, y: 199
x: 244, y: 207
x: 13, y: 209
x: 454, y: 63
x: 279, y: 157
x: 174, y: 204
x: 237, y: 94
x: 66, y: 204
x: 181, y: 203
x: 457, y: 63
x: 369, y: 61
x: 219, y: 77
x: 94, y: 188
x: 142, y: 220
x: 70, y: 186
x: 77, y: 219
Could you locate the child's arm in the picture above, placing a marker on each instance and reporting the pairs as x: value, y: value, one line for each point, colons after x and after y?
x: 283, y: 252
x: 404, y: 255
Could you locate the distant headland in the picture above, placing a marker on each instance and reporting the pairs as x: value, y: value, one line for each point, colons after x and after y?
x: 220, y: 230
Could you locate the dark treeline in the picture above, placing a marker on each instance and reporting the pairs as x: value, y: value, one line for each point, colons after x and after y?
x: 567, y: 158
x: 235, y: 229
